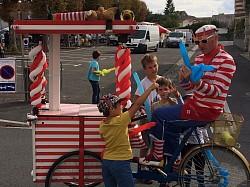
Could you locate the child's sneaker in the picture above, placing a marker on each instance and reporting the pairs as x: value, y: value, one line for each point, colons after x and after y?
x: 150, y: 160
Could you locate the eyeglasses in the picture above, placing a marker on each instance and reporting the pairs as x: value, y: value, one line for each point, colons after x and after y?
x: 204, y: 41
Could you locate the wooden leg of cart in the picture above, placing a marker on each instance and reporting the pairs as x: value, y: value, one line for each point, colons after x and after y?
x: 81, y: 152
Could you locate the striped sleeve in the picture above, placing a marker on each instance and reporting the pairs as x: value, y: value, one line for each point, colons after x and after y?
x: 221, y: 79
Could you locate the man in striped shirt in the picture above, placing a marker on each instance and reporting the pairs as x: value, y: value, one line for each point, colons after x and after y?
x: 209, y: 92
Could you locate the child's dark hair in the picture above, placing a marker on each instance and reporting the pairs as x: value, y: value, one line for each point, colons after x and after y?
x: 106, y: 112
x: 164, y: 81
x: 96, y: 54
x: 147, y: 59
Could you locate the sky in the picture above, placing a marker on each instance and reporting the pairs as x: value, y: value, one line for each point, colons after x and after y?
x: 194, y: 7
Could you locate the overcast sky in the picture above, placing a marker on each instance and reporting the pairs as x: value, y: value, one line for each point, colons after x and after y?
x: 197, y: 8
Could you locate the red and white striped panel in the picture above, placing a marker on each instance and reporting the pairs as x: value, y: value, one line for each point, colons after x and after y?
x: 137, y: 141
x: 55, y: 136
x: 72, y: 27
x: 72, y: 15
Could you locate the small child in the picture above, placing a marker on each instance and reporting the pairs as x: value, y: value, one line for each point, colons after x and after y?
x: 150, y: 66
x: 116, y: 169
x: 93, y: 77
x: 165, y: 89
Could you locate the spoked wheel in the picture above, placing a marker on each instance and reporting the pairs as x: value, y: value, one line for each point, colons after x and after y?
x: 212, y: 165
x: 65, y: 171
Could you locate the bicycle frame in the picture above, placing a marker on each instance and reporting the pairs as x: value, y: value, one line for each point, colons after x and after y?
x: 166, y: 175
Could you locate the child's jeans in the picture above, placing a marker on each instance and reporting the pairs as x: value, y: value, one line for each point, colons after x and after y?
x: 117, y: 173
x: 96, y: 91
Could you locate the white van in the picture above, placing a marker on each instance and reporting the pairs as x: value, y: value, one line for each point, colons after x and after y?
x: 176, y: 37
x: 144, y: 39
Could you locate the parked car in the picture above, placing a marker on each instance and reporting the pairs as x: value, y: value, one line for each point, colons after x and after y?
x: 102, y: 38
x: 113, y: 40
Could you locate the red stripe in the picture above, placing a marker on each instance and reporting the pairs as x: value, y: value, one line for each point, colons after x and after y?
x: 93, y: 140
x: 56, y: 139
x: 57, y: 125
x: 51, y: 153
x: 91, y: 133
x: 91, y: 126
x: 93, y: 119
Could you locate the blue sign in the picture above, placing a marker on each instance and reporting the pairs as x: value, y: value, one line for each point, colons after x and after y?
x: 7, y: 72
x: 7, y: 87
x: 7, y: 75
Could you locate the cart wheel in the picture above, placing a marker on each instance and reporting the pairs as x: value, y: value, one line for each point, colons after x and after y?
x: 65, y: 170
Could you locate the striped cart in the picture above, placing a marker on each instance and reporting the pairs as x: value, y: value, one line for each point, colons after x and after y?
x: 60, y: 139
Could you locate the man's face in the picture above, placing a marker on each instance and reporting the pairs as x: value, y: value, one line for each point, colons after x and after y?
x: 151, y: 68
x: 207, y: 43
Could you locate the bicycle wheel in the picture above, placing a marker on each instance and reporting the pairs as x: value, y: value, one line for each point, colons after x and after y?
x: 211, y: 165
x: 66, y: 170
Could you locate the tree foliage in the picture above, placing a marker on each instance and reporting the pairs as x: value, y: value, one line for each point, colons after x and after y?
x: 170, y: 8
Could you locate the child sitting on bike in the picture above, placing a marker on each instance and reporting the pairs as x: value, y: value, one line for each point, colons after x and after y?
x: 165, y: 89
x: 114, y: 129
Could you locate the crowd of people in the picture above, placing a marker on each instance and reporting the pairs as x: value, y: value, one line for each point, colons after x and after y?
x: 204, y: 102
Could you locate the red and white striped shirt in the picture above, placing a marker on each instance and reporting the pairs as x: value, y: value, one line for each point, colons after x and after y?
x: 210, y: 96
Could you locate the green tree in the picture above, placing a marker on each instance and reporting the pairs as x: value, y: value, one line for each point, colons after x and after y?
x: 8, y: 13
x: 170, y: 8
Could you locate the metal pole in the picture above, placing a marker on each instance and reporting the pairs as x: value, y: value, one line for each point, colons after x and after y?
x: 21, y: 36
x: 25, y: 73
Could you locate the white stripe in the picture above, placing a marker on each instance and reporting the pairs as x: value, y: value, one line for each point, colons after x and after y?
x: 81, y: 15
x: 92, y: 122
x: 54, y: 150
x: 48, y: 156
x: 94, y: 143
x: 91, y: 129
x: 77, y: 15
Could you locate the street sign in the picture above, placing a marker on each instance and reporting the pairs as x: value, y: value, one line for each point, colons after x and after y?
x: 7, y: 75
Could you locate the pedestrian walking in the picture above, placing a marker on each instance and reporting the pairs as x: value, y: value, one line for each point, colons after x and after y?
x: 94, y: 77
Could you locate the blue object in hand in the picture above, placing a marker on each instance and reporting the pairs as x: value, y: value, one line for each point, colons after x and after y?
x: 196, y: 71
